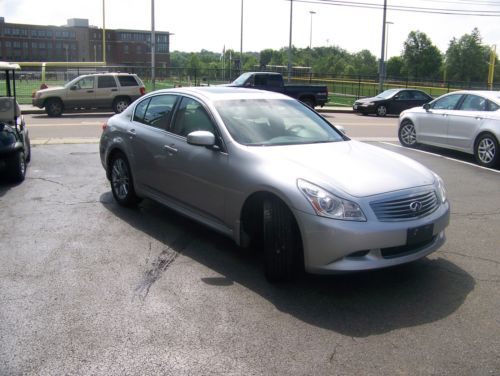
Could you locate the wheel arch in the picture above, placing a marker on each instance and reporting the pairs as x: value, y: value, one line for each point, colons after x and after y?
x: 57, y: 98
x: 251, y: 219
x: 111, y: 153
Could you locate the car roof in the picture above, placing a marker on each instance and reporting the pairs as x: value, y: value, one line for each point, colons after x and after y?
x: 490, y: 94
x: 4, y: 65
x: 214, y: 93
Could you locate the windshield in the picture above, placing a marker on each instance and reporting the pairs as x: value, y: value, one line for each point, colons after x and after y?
x: 241, y: 79
x: 72, y: 82
x: 387, y: 94
x: 269, y: 122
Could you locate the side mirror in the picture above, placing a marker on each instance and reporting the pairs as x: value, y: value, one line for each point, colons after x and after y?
x: 74, y: 87
x: 396, y: 96
x: 201, y: 138
x: 427, y: 107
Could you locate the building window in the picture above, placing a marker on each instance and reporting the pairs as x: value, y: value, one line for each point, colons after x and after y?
x: 125, y: 49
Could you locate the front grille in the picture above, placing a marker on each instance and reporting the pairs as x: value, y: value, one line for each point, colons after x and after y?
x: 406, y: 207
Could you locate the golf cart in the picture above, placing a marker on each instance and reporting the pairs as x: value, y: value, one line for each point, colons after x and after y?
x: 15, y: 151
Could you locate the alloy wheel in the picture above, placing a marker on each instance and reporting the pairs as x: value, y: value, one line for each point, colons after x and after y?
x: 120, y: 178
x: 408, y: 134
x: 486, y: 150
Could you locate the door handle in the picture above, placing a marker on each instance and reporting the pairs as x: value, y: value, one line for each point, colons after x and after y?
x: 479, y: 118
x: 171, y: 149
x: 114, y: 89
x: 131, y: 133
x: 90, y: 91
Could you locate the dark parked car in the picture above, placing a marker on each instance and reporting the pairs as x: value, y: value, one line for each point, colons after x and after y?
x: 15, y: 149
x: 392, y: 101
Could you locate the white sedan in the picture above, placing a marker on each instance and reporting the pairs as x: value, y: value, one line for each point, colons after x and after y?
x: 467, y: 121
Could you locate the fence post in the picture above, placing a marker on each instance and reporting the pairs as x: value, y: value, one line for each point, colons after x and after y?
x: 359, y: 87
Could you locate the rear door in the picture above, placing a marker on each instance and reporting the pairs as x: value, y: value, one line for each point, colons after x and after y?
x: 106, y: 91
x: 464, y: 123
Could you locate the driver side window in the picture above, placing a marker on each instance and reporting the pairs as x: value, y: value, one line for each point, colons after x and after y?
x: 447, y: 103
x: 85, y: 83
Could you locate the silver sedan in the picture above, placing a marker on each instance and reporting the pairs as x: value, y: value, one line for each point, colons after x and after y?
x: 467, y: 121
x: 272, y: 174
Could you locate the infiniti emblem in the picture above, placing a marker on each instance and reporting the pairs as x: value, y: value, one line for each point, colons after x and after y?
x: 415, y: 206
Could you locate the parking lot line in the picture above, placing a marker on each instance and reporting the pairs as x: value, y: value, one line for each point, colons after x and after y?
x: 442, y: 156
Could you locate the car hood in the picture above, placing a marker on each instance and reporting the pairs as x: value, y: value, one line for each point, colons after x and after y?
x: 352, y: 167
x: 51, y: 89
x: 371, y: 99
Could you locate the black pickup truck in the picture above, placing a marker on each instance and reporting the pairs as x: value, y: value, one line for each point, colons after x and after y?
x: 311, y: 95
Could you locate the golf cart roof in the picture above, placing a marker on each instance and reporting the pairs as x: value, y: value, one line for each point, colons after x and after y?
x: 8, y: 66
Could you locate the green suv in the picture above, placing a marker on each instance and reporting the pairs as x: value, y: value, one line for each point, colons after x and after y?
x: 100, y: 90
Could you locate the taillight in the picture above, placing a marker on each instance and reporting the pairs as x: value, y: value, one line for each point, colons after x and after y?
x: 143, y: 90
x: 104, y: 126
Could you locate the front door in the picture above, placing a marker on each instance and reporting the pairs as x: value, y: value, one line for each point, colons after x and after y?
x: 81, y: 93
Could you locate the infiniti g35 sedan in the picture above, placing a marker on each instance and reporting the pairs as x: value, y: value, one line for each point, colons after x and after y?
x: 269, y: 172
x: 467, y: 121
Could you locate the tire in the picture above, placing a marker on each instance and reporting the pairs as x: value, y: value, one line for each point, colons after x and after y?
x: 120, y: 104
x: 54, y: 107
x: 486, y: 150
x: 27, y: 147
x: 122, y: 184
x: 280, y: 240
x: 309, y: 102
x: 381, y: 110
x: 17, y: 167
x: 407, y: 134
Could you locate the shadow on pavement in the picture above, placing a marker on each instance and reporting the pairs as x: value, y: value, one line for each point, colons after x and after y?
x: 357, y: 305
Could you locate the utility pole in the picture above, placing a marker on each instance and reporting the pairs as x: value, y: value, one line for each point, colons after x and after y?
x: 153, y: 44
x: 103, y: 31
x: 241, y: 40
x: 290, y: 43
x: 381, y: 67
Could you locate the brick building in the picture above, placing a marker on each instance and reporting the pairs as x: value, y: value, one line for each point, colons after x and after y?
x: 77, y: 41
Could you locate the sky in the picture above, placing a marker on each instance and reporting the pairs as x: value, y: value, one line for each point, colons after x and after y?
x: 215, y: 24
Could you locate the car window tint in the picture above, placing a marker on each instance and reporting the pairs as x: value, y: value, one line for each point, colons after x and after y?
x: 418, y: 95
x: 105, y: 81
x: 259, y: 122
x: 140, y: 110
x: 447, y: 103
x: 473, y: 103
x: 274, y: 80
x: 404, y: 95
x: 86, y: 83
x: 492, y: 106
x: 260, y: 80
x: 159, y: 110
x: 190, y: 117
x: 127, y: 81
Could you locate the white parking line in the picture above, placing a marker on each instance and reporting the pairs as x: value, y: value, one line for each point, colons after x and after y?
x: 65, y: 124
x: 442, y: 156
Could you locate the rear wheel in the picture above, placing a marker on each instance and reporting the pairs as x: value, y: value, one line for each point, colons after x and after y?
x: 17, y: 167
x: 486, y: 150
x: 120, y: 104
x: 407, y: 134
x: 281, y: 241
x: 122, y: 184
x: 54, y: 107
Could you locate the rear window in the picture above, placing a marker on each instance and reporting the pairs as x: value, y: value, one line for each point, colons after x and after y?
x: 127, y: 81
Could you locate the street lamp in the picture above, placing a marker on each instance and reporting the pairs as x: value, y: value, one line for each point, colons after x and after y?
x: 381, y: 66
x: 241, y: 39
x: 290, y: 43
x: 311, y: 30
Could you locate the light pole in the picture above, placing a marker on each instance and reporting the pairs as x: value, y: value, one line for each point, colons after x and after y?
x: 387, y: 39
x: 290, y: 43
x: 241, y: 39
x: 153, y: 44
x: 381, y: 66
x: 311, y: 29
x: 103, y: 31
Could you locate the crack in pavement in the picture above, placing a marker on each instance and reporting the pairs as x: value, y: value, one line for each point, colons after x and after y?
x: 47, y: 180
x: 472, y: 257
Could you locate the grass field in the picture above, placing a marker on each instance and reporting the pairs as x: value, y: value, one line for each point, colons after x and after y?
x: 342, y: 92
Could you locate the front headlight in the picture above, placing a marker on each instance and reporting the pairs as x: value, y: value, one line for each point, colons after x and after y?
x: 328, y: 205
x: 441, y: 190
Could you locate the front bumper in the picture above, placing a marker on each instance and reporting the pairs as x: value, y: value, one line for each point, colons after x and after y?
x: 37, y: 102
x: 363, y: 108
x: 335, y: 246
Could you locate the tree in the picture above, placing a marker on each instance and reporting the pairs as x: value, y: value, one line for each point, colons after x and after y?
x: 420, y: 57
x: 467, y: 59
x: 395, y: 66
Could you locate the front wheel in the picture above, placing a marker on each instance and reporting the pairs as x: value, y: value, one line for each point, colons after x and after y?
x: 120, y: 104
x: 486, y: 150
x: 122, y: 184
x: 381, y: 110
x: 281, y: 241
x: 407, y: 134
x: 54, y: 107
x: 17, y: 167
